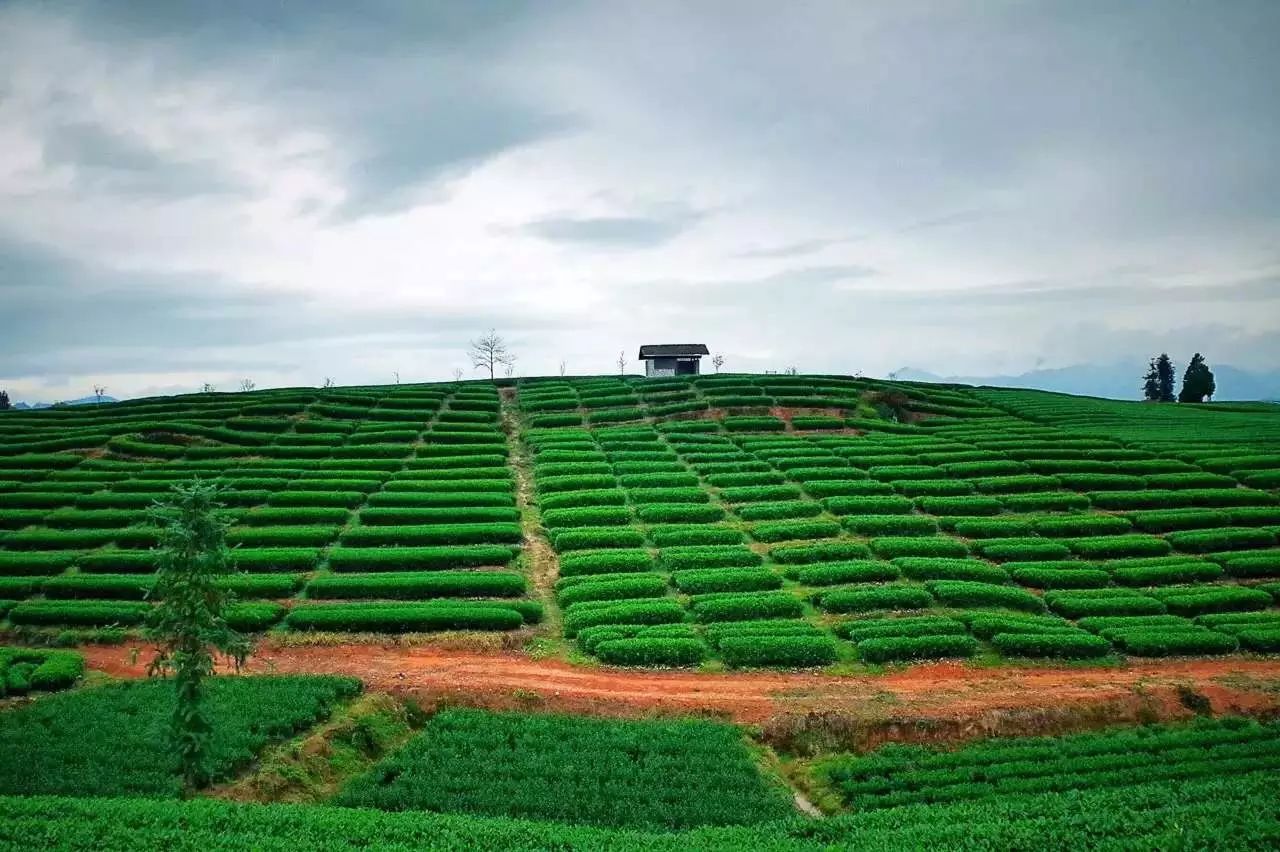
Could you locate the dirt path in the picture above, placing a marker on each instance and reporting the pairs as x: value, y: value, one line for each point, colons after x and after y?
x: 942, y: 691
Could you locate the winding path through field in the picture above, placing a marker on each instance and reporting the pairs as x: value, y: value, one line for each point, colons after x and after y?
x: 940, y: 691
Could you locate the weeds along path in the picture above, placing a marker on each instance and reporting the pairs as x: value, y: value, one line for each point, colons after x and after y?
x: 945, y: 691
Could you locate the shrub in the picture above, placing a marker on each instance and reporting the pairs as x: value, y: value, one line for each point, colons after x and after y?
x: 297, y: 536
x: 726, y: 556
x: 416, y: 515
x: 1105, y: 547
x: 646, y: 586
x: 990, y: 527
x: 964, y: 593
x: 263, y: 559
x: 1155, y: 575
x: 1199, y: 600
x: 443, y: 499
x: 872, y: 505
x: 756, y: 493
x: 889, y: 525
x: 403, y: 618
x: 593, y: 516
x: 580, y: 499
x: 1165, y: 643
x: 591, y: 613
x: 679, y: 513
x: 1061, y: 578
x: 848, y: 488
x: 80, y: 613
x: 1260, y: 639
x: 826, y: 551
x: 1210, y: 540
x: 295, y: 515
x: 585, y: 482
x: 926, y: 568
x: 253, y: 617
x: 1070, y: 646
x: 652, y: 651
x: 887, y: 473
x: 1102, y: 602
x: 694, y: 535
x: 1022, y: 484
x: 872, y: 597
x: 58, y: 670
x: 417, y: 585
x: 984, y: 625
x: 1082, y: 525
x: 587, y: 538
x: 1022, y: 550
x: 101, y: 586
x: 1261, y: 565
x: 771, y: 650
x: 434, y: 534
x: 960, y: 506
x: 418, y: 558
x: 791, y: 530
x: 897, y: 648
x: 1052, y: 501
x: 746, y: 607
x: 588, y: 562
x: 935, y: 546
x: 850, y: 571
x: 35, y: 564
x: 877, y: 628
x: 778, y: 510
x: 706, y: 580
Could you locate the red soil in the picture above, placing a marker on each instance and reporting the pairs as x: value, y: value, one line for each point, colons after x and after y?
x: 940, y: 691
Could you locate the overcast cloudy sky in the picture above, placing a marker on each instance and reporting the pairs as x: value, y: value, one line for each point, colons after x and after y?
x: 293, y: 190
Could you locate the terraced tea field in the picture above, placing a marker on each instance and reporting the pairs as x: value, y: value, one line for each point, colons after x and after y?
x: 735, y: 521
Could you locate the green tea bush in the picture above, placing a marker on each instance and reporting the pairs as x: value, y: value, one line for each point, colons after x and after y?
x: 592, y: 516
x: 588, y: 562
x: 1155, y: 575
x: 402, y: 618
x: 79, y: 613
x: 848, y: 487
x: 1261, y: 565
x: 878, y: 628
x: 759, y: 493
x: 1102, y: 602
x: 1082, y: 525
x: 268, y: 559
x: 989, y: 527
x: 30, y: 564
x: 646, y: 586
x: 296, y: 536
x: 891, y: 649
x: 653, y: 651
x: 1052, y: 501
x: 592, y: 613
x: 679, y: 513
x: 1198, y: 600
x: 702, y: 581
x: 869, y: 505
x: 671, y: 536
x: 931, y: 568
x: 418, y: 585
x: 890, y: 525
x: 1068, y: 646
x: 746, y: 607
x: 588, y: 538
x: 716, y: 556
x: 826, y: 551
x: 434, y: 534
x: 1060, y: 578
x: 765, y: 650
x: 792, y: 530
x: 1167, y: 643
x: 848, y: 571
x: 960, y: 506
x: 1228, y: 538
x: 1107, y: 547
x: 418, y: 558
x: 934, y: 546
x: 580, y: 499
x: 964, y: 593
x: 1021, y: 549
x: 865, y: 598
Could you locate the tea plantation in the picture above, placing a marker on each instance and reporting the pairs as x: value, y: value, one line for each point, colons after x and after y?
x: 725, y: 520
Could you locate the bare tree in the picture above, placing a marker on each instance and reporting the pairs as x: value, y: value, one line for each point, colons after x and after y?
x: 457, y: 374
x: 327, y: 383
x: 489, y: 351
x: 791, y: 371
x: 98, y: 391
x: 207, y: 388
x: 396, y: 373
x: 622, y: 362
x: 717, y: 361
x: 562, y: 368
x: 247, y: 385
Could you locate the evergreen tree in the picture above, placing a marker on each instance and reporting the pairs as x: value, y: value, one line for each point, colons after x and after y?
x: 4, y: 400
x: 1197, y: 381
x: 1151, y: 383
x: 1165, y: 377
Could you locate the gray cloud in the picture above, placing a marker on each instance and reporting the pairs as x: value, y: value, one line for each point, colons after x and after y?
x: 640, y: 231
x: 794, y: 249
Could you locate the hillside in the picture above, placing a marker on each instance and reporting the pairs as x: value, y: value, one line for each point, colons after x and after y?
x: 746, y: 520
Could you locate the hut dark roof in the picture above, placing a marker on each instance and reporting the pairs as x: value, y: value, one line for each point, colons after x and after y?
x: 673, y: 350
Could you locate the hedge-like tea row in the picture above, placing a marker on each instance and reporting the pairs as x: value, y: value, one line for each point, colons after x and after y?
x: 727, y: 556
x: 418, y: 558
x: 418, y: 585
x: 592, y: 613
x: 701, y: 581
x: 900, y: 648
x: 744, y: 651
x: 966, y: 593
x: 1071, y: 646
x: 402, y: 618
x: 865, y: 598
x: 641, y: 586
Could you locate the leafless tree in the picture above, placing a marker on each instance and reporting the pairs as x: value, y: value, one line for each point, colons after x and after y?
x: 396, y: 373
x: 247, y: 385
x: 98, y: 391
x: 717, y: 361
x: 562, y: 368
x: 328, y: 382
x: 622, y: 362
x: 457, y: 374
x: 489, y: 351
x: 510, y: 370
x: 207, y: 388
x: 791, y: 371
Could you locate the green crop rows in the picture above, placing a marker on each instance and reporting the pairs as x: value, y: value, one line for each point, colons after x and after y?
x: 342, y: 500
x: 693, y: 523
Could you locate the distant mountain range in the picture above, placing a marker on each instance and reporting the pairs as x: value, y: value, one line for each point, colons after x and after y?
x: 1115, y: 381
x: 84, y: 400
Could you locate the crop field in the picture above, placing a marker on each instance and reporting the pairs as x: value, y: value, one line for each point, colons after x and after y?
x: 728, y: 521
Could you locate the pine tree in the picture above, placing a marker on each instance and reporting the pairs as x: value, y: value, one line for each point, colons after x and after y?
x: 4, y: 400
x: 1197, y: 381
x: 1165, y: 377
x: 1151, y: 383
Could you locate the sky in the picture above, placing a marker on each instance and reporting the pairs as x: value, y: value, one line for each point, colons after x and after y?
x: 295, y: 191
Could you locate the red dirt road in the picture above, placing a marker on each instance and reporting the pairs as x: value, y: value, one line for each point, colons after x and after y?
x: 939, y: 691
